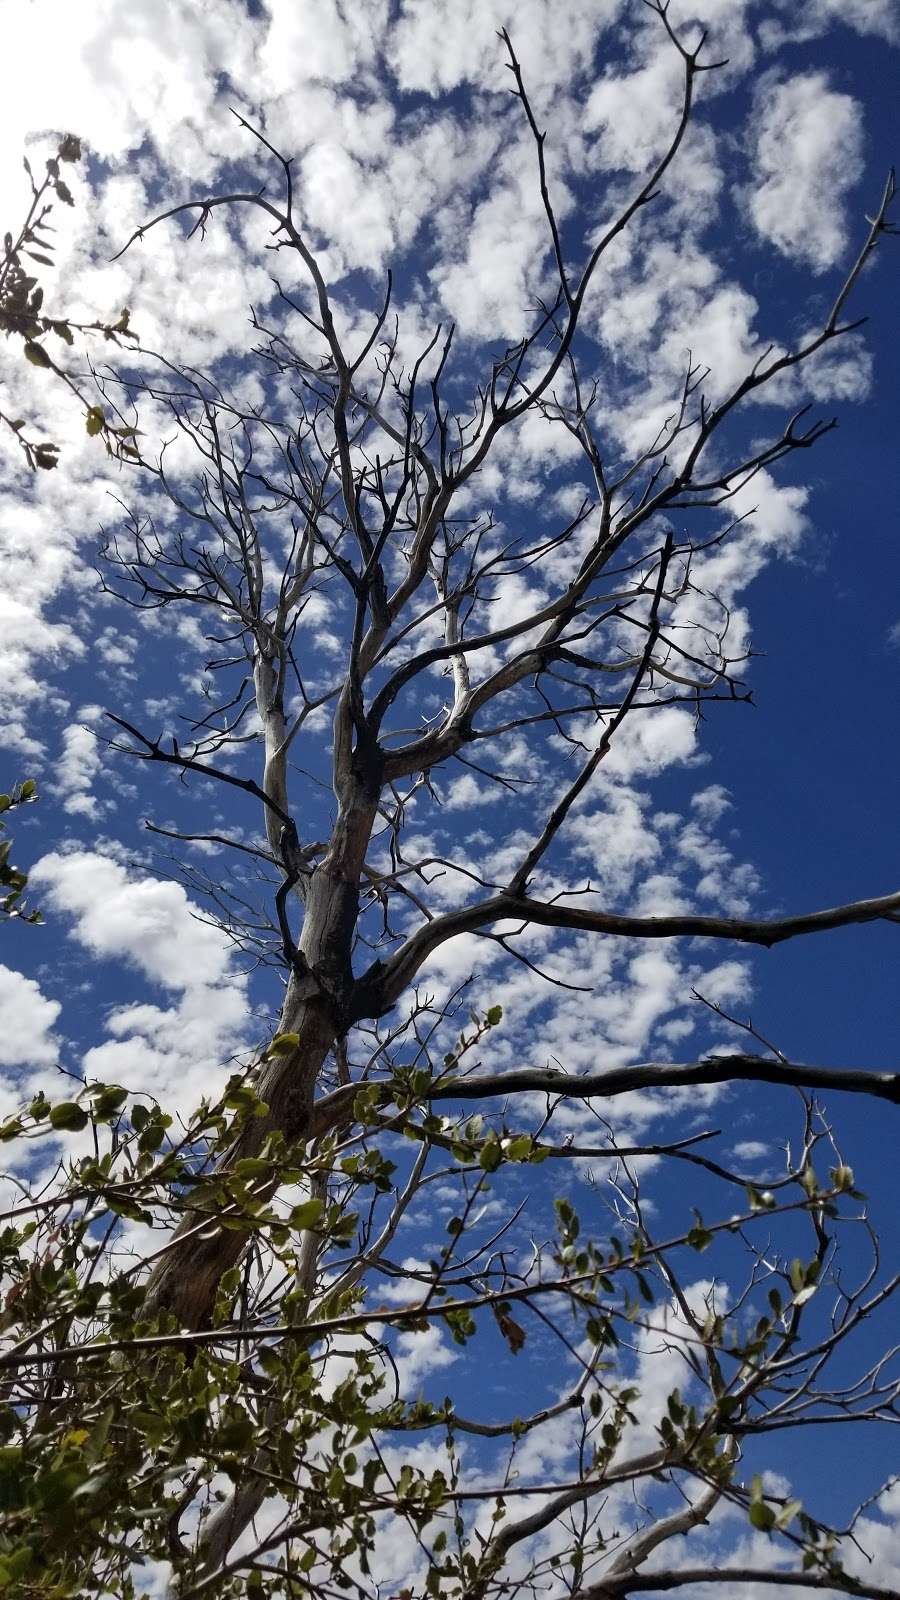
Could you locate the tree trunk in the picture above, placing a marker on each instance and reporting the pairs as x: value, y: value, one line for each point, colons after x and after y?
x: 316, y: 1007
x: 185, y: 1278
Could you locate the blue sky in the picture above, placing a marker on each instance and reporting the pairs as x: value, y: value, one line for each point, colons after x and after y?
x: 409, y: 153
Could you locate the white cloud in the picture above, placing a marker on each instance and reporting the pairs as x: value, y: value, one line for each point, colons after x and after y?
x: 77, y: 768
x: 116, y: 647
x: 752, y: 1150
x: 38, y: 565
x: 434, y: 47
x: 648, y: 744
x: 344, y: 205
x: 615, y: 840
x: 26, y: 1038
x: 809, y: 18
x: 808, y: 155
x: 661, y: 1364
x: 465, y: 793
x: 120, y: 77
x: 712, y: 802
x: 489, y: 291
x: 320, y: 40
x: 417, y: 1355
x: 182, y: 1051
x: 149, y: 924
x: 634, y: 115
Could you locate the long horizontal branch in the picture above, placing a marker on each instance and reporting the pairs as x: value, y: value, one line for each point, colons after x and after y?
x: 639, y: 1582
x: 625, y: 1080
x: 670, y: 1075
x: 353, y: 1321
x: 380, y: 987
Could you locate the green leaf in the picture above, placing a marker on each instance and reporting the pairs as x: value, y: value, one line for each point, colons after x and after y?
x: 229, y: 1283
x: 788, y: 1512
x: 94, y: 420
x: 36, y: 354
x: 68, y: 1117
x: 490, y: 1156
x: 596, y: 1330
x: 18, y: 1561
x: 95, y: 1443
x: 306, y: 1214
x: 519, y: 1148
x: 644, y: 1286
x: 123, y: 1207
x: 236, y: 1433
x: 152, y: 1137
x: 762, y: 1516
x: 252, y: 1167
x: 493, y: 1016
x: 108, y: 1100
x: 283, y: 1044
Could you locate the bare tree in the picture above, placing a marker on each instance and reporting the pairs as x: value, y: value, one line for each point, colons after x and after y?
x: 354, y: 474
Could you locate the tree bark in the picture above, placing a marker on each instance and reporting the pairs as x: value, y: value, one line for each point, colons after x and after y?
x: 316, y: 1007
x: 185, y: 1279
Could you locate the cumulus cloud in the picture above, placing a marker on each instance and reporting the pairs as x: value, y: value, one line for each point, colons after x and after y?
x: 417, y: 1355
x: 320, y: 40
x: 26, y: 1038
x: 434, y: 48
x: 634, y: 115
x: 79, y: 765
x: 806, y: 19
x: 123, y: 78
x: 808, y: 156
x: 149, y: 924
x: 466, y: 793
x: 39, y: 550
x: 489, y: 289
x: 644, y: 746
x: 180, y: 1051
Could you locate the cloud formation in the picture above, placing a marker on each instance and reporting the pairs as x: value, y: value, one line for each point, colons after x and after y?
x: 808, y: 156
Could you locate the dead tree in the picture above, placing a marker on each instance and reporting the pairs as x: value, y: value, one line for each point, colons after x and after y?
x: 355, y: 473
